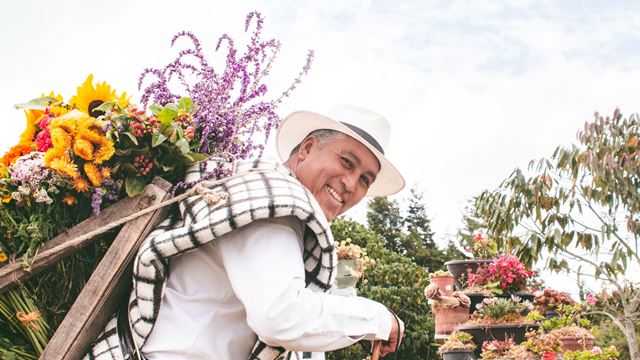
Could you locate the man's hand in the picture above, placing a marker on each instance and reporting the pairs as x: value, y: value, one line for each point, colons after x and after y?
x: 395, y: 337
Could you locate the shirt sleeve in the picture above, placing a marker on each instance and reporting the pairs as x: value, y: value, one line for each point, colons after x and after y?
x: 265, y: 268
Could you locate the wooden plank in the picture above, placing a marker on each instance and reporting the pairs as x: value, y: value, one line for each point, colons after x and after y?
x: 108, y: 284
x: 14, y: 274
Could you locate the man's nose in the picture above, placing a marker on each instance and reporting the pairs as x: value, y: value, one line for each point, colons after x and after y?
x: 349, y: 182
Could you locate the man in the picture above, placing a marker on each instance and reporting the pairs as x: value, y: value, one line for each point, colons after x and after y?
x: 265, y: 255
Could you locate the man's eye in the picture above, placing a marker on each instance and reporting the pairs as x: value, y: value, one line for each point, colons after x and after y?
x: 366, y: 180
x: 348, y: 163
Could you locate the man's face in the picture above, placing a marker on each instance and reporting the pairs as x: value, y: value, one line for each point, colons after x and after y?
x: 338, y: 173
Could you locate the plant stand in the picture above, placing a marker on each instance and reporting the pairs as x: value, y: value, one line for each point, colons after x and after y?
x: 482, y: 333
x: 458, y: 268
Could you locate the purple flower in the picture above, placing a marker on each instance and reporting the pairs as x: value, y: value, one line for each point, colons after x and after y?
x: 231, y: 109
x: 96, y: 200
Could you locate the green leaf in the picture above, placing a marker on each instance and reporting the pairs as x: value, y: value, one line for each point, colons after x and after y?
x: 36, y: 104
x: 185, y: 104
x: 131, y: 137
x: 157, y: 138
x: 134, y: 185
x: 197, y: 157
x: 168, y: 113
x: 183, y: 145
x: 155, y: 109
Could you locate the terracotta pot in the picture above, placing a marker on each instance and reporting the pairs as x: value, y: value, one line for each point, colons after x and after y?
x: 482, y: 333
x: 447, y: 320
x: 576, y: 343
x: 459, y: 268
x: 444, y: 283
x: 460, y: 354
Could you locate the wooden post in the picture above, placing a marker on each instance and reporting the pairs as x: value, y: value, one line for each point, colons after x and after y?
x: 108, y: 284
x: 16, y: 273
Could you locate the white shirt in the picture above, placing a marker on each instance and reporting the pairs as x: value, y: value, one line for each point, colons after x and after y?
x: 248, y: 282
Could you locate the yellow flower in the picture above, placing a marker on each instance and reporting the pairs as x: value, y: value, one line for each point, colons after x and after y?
x: 60, y: 138
x: 33, y: 117
x: 3, y: 257
x: 83, y: 148
x: 93, y: 174
x: 80, y: 184
x: 105, y: 152
x: 64, y: 167
x: 69, y: 200
x: 90, y: 97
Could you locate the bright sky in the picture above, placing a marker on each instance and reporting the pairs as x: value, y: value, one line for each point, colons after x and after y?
x: 473, y: 89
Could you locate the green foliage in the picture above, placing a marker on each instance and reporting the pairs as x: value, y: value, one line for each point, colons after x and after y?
x: 396, y: 282
x: 567, y: 315
x: 610, y: 353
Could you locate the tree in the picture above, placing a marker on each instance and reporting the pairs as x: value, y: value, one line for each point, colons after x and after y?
x: 396, y: 282
x: 581, y: 205
x: 383, y: 218
x: 472, y: 224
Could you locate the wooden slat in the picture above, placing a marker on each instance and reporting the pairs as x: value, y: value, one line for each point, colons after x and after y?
x: 108, y: 284
x: 16, y: 273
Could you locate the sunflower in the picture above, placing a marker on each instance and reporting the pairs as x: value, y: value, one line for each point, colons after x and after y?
x: 83, y: 148
x: 93, y: 174
x: 90, y: 97
x: 33, y: 117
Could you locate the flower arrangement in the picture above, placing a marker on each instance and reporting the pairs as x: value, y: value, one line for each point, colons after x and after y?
x: 506, y: 274
x: 458, y: 340
x: 501, y: 311
x: 596, y: 353
x: 550, y: 300
x: 505, y: 350
x: 484, y: 247
x: 77, y: 156
x: 346, y: 250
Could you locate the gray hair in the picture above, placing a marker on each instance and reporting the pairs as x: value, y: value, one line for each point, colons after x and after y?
x: 324, y: 136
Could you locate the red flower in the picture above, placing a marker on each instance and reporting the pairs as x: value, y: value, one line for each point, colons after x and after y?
x: 478, y: 237
x: 549, y: 355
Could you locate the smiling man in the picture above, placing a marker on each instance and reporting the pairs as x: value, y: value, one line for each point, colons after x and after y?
x: 258, y: 284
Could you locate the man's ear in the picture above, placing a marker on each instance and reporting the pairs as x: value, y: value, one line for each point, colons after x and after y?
x: 306, y: 147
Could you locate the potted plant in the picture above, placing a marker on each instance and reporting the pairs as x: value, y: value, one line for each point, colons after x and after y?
x: 505, y: 350
x: 352, y: 263
x: 459, y: 346
x: 544, y: 346
x: 484, y: 249
x: 596, y: 353
x: 549, y: 300
x: 443, y: 280
x: 448, y: 311
x: 500, y: 319
x: 571, y: 328
x: 502, y: 277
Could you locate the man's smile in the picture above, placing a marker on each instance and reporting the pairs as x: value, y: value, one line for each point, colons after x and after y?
x: 335, y: 195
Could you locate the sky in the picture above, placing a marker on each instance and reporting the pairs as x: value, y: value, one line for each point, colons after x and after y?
x: 472, y: 89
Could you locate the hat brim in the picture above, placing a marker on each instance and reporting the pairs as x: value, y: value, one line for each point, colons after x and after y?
x: 295, y: 127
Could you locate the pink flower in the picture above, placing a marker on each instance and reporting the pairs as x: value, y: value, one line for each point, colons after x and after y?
x: 549, y: 355
x: 596, y: 350
x: 591, y: 299
x: 478, y: 237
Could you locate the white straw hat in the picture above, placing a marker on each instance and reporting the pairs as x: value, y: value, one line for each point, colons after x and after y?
x: 369, y: 128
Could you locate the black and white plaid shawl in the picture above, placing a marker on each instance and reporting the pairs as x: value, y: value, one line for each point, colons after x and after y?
x: 258, y: 190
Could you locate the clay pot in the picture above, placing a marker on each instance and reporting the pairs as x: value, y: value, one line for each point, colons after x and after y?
x: 444, y: 283
x: 447, y: 319
x: 459, y: 268
x: 482, y: 333
x: 576, y: 343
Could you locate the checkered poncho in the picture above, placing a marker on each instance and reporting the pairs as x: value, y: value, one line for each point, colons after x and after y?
x: 259, y: 190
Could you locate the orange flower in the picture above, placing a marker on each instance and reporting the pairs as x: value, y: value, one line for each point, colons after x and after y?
x: 64, y: 167
x: 104, y: 152
x: 80, y: 184
x: 14, y: 153
x: 83, y: 148
x: 93, y: 174
x: 69, y: 200
x: 3, y: 257
x: 60, y: 138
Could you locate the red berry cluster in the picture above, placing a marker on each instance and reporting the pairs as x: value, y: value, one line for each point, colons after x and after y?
x: 142, y: 164
x: 141, y: 124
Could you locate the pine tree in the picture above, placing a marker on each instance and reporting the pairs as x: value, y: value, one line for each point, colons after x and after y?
x: 417, y: 241
x: 472, y: 224
x: 383, y: 218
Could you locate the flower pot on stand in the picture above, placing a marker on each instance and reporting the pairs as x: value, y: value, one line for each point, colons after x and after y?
x: 501, y: 332
x: 447, y: 319
x: 444, y: 283
x: 346, y: 278
x: 576, y: 343
x: 459, y: 354
x: 459, y: 268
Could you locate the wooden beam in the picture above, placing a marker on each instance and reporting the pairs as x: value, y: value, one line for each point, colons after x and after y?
x: 14, y: 274
x: 109, y: 283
